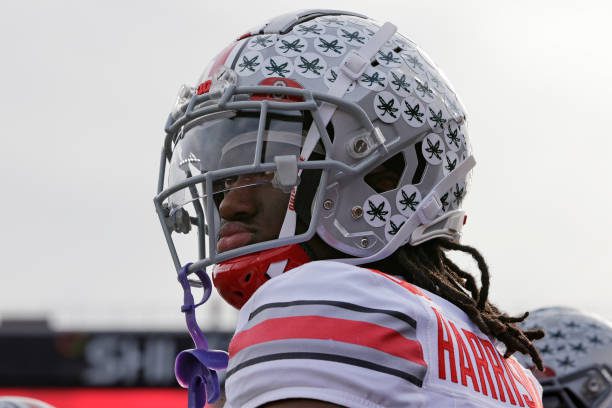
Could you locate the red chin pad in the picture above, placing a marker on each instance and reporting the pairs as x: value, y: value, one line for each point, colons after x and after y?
x: 237, y: 279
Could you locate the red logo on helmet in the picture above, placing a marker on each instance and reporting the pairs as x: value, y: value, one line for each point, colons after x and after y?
x: 281, y: 97
x: 215, y: 69
x: 204, y: 87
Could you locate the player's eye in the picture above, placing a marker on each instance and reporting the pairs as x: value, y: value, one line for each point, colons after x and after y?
x: 228, y: 182
x: 224, y: 183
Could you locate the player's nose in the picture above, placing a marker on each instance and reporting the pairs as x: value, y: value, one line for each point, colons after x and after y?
x: 239, y: 200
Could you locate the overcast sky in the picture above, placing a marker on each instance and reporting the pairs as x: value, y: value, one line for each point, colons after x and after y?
x: 86, y: 86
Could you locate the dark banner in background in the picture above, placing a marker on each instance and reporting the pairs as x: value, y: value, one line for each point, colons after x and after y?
x: 67, y: 397
x: 94, y: 359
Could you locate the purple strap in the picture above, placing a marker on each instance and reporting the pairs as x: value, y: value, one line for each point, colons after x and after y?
x: 196, y: 369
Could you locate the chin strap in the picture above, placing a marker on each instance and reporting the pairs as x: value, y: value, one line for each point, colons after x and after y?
x: 196, y: 369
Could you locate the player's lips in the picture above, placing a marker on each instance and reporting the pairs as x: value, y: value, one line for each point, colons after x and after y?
x: 234, y: 235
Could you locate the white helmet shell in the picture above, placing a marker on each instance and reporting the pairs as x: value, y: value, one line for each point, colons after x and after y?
x: 577, y: 356
x: 376, y: 99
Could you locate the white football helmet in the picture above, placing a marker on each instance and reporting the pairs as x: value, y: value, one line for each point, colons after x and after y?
x: 311, y: 104
x: 577, y: 356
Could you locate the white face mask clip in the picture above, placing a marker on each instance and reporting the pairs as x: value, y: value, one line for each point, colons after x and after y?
x: 286, y: 175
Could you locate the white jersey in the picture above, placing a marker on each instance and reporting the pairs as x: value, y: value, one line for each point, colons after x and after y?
x: 360, y: 338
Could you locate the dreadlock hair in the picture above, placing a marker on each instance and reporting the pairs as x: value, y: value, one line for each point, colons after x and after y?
x: 427, y: 266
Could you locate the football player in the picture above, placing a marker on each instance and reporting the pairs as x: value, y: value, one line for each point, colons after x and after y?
x: 577, y: 358
x: 321, y: 161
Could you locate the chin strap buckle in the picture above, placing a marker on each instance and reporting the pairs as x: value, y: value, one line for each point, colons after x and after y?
x: 429, y: 210
x: 354, y: 64
x: 447, y: 226
x: 196, y: 369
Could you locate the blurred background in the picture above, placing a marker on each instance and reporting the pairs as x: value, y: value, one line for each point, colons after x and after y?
x: 86, y: 87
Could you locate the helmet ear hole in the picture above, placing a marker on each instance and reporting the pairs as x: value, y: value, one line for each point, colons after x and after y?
x: 388, y: 175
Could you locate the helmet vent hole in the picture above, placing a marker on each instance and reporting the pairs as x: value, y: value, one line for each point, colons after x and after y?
x: 375, y: 63
x: 421, y: 164
x: 330, y: 131
x: 247, y: 277
x: 397, y: 49
x: 388, y: 175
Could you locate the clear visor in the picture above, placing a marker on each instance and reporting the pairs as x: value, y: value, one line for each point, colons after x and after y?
x: 230, y: 176
x: 227, y: 146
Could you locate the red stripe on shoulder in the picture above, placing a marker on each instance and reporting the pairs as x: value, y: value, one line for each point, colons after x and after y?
x: 327, y: 328
x: 410, y: 287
